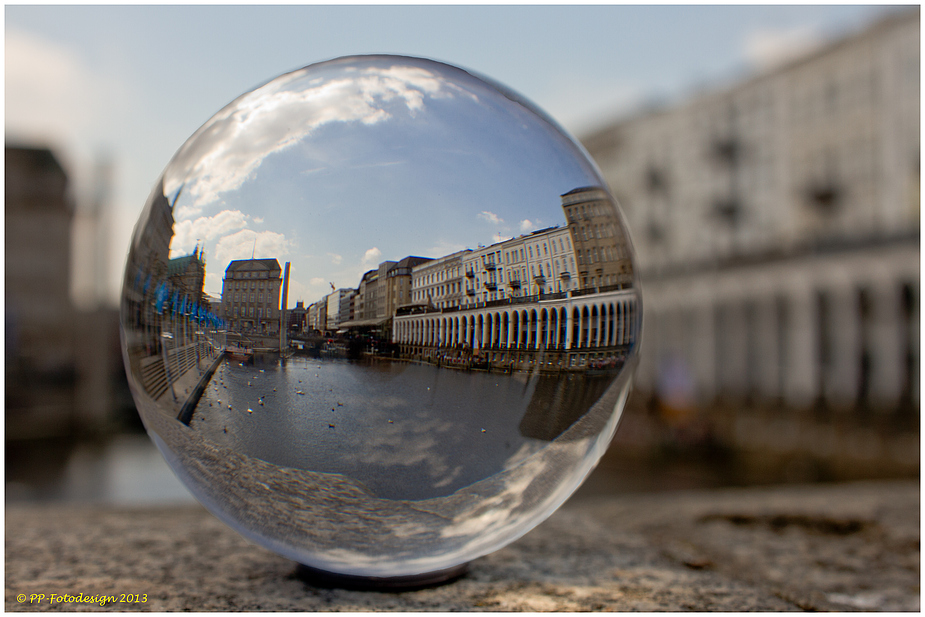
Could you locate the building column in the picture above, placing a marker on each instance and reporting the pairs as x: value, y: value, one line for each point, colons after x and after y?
x: 840, y: 383
x: 524, y: 330
x: 885, y: 342
x: 552, y: 319
x: 765, y: 337
x: 602, y: 326
x: 567, y: 336
x: 800, y: 362
x: 646, y: 372
x: 732, y: 348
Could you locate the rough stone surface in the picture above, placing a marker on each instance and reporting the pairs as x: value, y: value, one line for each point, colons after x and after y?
x: 822, y: 547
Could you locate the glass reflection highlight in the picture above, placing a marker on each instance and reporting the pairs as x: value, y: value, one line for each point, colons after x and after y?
x: 458, y: 381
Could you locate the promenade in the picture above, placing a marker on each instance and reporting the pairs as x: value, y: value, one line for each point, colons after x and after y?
x: 842, y: 547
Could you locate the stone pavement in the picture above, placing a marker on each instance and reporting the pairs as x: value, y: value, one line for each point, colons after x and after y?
x: 816, y: 547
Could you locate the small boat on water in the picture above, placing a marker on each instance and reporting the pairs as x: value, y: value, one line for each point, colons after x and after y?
x: 239, y: 352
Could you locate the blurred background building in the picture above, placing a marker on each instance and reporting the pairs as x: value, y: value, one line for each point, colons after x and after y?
x: 776, y: 224
x: 777, y: 230
x: 64, y: 375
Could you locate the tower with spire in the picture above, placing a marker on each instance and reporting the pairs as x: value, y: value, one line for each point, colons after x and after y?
x: 187, y: 275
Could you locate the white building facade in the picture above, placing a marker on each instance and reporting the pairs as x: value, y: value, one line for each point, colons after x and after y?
x: 776, y: 225
x: 539, y: 263
x: 338, y: 307
x: 520, y: 304
x: 439, y: 282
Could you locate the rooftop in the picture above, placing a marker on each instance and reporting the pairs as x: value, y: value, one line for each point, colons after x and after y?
x: 240, y: 265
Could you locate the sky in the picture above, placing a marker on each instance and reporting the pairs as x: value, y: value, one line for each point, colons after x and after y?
x: 343, y: 164
x: 128, y: 85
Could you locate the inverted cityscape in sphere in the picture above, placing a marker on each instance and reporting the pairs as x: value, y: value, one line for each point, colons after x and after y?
x: 464, y: 329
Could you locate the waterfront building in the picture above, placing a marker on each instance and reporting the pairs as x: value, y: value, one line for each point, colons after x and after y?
x: 187, y: 275
x: 384, y: 289
x: 401, y: 283
x: 777, y: 230
x: 372, y: 297
x: 338, y: 308
x: 40, y: 336
x: 482, y: 275
x: 251, y: 296
x: 369, y: 283
x: 318, y: 315
x: 297, y: 318
x: 538, y: 263
x: 601, y: 248
x: 380, y: 293
x: 347, y: 308
x: 562, y: 331
x: 438, y: 282
x: 524, y: 307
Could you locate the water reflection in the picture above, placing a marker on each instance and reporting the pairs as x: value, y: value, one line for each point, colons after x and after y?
x: 403, y: 430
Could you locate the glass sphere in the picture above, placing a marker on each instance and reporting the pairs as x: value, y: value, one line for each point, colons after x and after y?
x: 380, y: 315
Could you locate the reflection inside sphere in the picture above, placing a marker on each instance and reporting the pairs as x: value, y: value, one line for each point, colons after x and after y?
x: 380, y: 315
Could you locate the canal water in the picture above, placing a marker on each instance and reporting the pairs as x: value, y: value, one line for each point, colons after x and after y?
x: 403, y: 430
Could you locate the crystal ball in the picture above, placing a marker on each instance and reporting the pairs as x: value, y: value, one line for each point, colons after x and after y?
x: 380, y: 315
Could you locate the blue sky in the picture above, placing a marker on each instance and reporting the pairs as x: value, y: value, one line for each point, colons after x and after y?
x: 362, y: 160
x: 132, y: 83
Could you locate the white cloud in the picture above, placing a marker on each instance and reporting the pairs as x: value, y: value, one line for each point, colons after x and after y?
x: 228, y: 149
x: 371, y: 257
x: 241, y: 245
x: 317, y: 288
x: 299, y: 292
x: 335, y: 258
x: 491, y: 217
x: 527, y: 225
x: 767, y: 48
x: 499, y: 238
x: 206, y: 228
x: 442, y: 249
